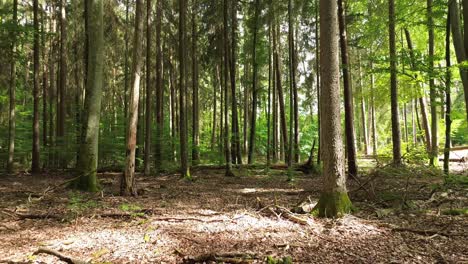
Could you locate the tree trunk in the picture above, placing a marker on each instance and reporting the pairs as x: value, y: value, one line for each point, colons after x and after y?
x: 63, y: 79
x: 147, y: 154
x: 173, y: 109
x: 12, y: 110
x: 373, y: 122
x: 348, y: 94
x: 233, y: 74
x: 396, y: 138
x: 334, y: 200
x: 127, y: 183
x: 276, y: 58
x: 253, y: 118
x: 35, y: 146
x: 433, y: 159
x: 160, y: 88
x: 448, y: 103
x: 185, y: 172
x: 294, y: 137
x: 317, y: 70
x: 458, y: 41
x: 425, y: 121
x: 44, y: 80
x: 227, y: 150
x: 126, y: 81
x: 195, y: 107
x: 88, y: 157
x: 268, y: 116
x: 365, y: 134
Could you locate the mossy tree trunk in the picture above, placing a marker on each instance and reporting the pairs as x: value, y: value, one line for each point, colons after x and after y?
x: 334, y: 200
x: 88, y: 156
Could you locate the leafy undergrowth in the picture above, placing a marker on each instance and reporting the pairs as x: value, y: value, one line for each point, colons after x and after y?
x: 407, y: 214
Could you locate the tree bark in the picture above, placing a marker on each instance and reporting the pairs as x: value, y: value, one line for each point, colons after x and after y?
x: 317, y: 69
x: 147, y: 154
x: 63, y: 79
x: 35, y: 146
x: 185, y: 172
x: 334, y: 200
x: 253, y: 118
x: 160, y: 88
x: 294, y: 137
x: 195, y: 104
x: 235, y: 118
x: 88, y: 157
x: 127, y: 183
x: 396, y: 138
x: 227, y: 150
x: 362, y: 105
x: 373, y: 121
x: 12, y: 94
x: 433, y: 157
x: 458, y: 43
x: 448, y: 103
x: 348, y: 94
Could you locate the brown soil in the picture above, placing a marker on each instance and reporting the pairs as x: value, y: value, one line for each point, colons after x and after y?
x: 400, y: 220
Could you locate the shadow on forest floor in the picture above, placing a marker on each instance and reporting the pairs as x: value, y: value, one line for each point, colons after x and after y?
x: 404, y: 215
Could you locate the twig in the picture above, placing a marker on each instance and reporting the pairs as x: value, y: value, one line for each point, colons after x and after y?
x: 60, y: 256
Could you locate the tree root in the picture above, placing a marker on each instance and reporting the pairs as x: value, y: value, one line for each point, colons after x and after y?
x: 235, y: 258
x: 60, y: 256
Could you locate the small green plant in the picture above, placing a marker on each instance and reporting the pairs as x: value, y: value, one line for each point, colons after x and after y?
x: 78, y: 203
x: 455, y: 211
x: 283, y: 260
x: 135, y: 210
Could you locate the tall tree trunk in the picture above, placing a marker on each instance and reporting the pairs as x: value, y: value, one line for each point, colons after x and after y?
x: 126, y: 79
x: 159, y: 88
x: 36, y: 146
x: 422, y: 102
x: 448, y: 103
x: 334, y: 200
x: 365, y: 134
x: 147, y: 154
x: 317, y: 70
x: 227, y: 149
x: 246, y: 106
x: 185, y: 172
x: 127, y: 183
x: 268, y: 116
x: 88, y: 157
x: 373, y: 122
x: 52, y: 88
x: 253, y: 118
x: 348, y: 94
x: 63, y: 79
x: 433, y: 159
x: 233, y: 74
x: 12, y: 110
x: 274, y: 99
x: 276, y: 58
x: 44, y: 79
x: 458, y: 41
x: 215, y: 110
x: 173, y: 108
x: 294, y: 140
x: 195, y: 107
x: 396, y: 138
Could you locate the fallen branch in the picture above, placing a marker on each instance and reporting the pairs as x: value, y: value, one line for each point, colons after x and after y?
x: 60, y: 256
x: 422, y: 232
x: 38, y: 216
x: 235, y: 258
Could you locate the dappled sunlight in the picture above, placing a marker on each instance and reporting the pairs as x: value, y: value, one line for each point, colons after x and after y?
x: 263, y: 190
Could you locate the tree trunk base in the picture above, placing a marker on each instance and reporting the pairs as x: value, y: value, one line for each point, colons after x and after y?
x: 333, y: 204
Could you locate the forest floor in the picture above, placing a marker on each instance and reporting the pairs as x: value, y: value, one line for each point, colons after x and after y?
x: 405, y: 215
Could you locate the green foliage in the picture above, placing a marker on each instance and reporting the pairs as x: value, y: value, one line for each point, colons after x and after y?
x: 283, y: 260
x: 456, y: 211
x: 79, y: 203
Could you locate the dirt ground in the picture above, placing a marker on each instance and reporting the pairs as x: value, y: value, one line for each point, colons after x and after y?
x: 400, y: 218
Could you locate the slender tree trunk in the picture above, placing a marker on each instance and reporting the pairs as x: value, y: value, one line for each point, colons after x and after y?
x: 127, y: 184
x: 126, y: 79
x: 348, y: 94
x: 44, y: 80
x: 12, y: 110
x: 396, y: 138
x: 413, y: 123
x: 458, y: 42
x: 432, y: 89
x: 88, y: 157
x: 52, y: 90
x: 159, y: 88
x: 318, y: 83
x: 147, y: 154
x: 36, y: 146
x: 373, y: 121
x: 227, y: 150
x: 425, y: 121
x: 448, y: 103
x: 276, y: 58
x: 274, y: 99
x: 173, y: 109
x: 365, y: 134
x: 63, y: 78
x: 253, y: 118
x: 233, y: 74
x: 185, y: 172
x: 334, y: 200
x: 268, y: 146
x: 294, y: 140
x: 246, y: 107
x: 195, y: 107
x: 215, y: 110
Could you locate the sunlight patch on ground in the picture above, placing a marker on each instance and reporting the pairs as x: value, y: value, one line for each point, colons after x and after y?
x: 263, y: 190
